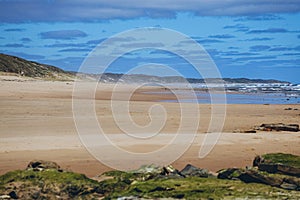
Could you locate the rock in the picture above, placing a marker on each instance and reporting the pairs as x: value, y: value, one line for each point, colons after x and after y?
x: 293, y: 181
x: 279, y: 168
x: 268, y: 167
x: 249, y: 131
x: 73, y: 190
x: 171, y: 171
x: 190, y: 170
x: 255, y: 177
x: 289, y: 170
x: 264, y: 171
x: 288, y: 186
x: 276, y: 165
x: 279, y: 127
x: 257, y: 160
x: 13, y: 195
x: 230, y: 173
x: 153, y: 169
x: 40, y: 165
x: 249, y: 176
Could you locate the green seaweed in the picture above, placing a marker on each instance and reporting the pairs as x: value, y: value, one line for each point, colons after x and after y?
x: 282, y: 158
x: 202, y: 188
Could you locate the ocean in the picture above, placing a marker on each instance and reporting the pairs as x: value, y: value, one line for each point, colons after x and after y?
x: 243, y: 98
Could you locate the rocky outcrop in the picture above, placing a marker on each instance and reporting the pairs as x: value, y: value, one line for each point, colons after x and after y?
x: 255, y: 176
x: 278, y: 163
x: 46, y: 180
x: 190, y: 170
x: 40, y: 165
x: 278, y: 170
x: 279, y: 127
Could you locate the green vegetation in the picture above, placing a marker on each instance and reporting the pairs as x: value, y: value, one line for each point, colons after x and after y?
x: 281, y: 158
x: 47, y: 184
x: 45, y: 180
x: 16, y: 65
x: 202, y: 188
x: 46, y: 176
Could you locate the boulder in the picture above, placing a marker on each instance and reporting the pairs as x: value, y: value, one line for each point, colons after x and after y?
x: 251, y: 176
x: 190, y: 170
x: 256, y: 175
x: 230, y: 173
x: 40, y: 165
x: 288, y: 186
x: 152, y: 169
x: 147, y: 172
x: 279, y: 168
x: 171, y: 171
x: 276, y: 165
x: 13, y: 195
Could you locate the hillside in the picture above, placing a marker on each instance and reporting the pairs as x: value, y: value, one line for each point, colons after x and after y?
x: 141, y: 78
x: 13, y: 64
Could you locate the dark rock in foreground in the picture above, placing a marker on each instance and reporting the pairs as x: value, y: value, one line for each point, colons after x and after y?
x: 278, y: 163
x: 190, y: 170
x: 278, y: 170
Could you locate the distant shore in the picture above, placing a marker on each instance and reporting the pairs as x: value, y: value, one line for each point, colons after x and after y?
x: 37, y: 123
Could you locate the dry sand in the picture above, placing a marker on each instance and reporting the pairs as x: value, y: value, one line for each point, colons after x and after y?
x: 36, y: 122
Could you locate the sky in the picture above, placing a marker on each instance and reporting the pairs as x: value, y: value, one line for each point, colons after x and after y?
x: 251, y: 39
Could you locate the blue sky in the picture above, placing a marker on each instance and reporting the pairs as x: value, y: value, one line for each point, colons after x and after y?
x: 253, y: 39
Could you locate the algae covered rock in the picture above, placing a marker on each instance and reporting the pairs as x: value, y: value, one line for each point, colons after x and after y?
x: 45, y: 180
x: 277, y: 169
x: 42, y: 165
x: 278, y: 163
x: 256, y: 176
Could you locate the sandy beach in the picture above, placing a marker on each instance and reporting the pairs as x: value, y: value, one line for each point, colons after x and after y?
x: 36, y: 122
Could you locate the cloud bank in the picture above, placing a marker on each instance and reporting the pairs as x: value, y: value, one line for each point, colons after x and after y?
x: 63, y: 34
x: 93, y: 10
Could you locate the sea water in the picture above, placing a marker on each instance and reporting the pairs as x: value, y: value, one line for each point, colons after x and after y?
x: 203, y: 97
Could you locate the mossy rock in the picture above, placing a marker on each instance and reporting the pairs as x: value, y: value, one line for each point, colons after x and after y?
x: 282, y: 158
x: 279, y: 163
x: 48, y: 184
